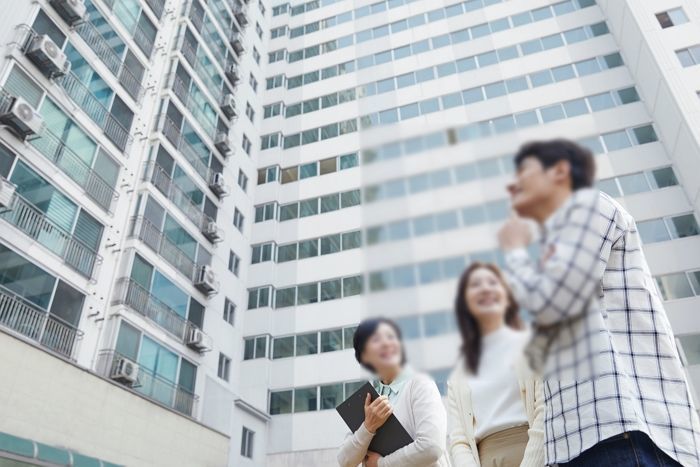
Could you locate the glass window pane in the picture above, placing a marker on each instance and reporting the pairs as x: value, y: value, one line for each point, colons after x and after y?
x: 307, y: 344
x: 684, y: 226
x: 280, y: 402
x: 634, y: 183
x: 352, y: 286
x: 331, y: 396
x: 653, y: 231
x: 664, y: 177
x: 331, y: 340
x: 285, y: 297
x: 305, y: 399
x: 307, y: 293
x: 283, y: 347
x: 331, y: 290
x: 352, y: 240
x: 674, y: 286
x: 308, y: 207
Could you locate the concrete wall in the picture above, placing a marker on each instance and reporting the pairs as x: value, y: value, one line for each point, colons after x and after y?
x: 47, y: 399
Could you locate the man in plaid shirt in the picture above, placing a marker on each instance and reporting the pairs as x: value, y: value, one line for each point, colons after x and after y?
x: 615, y: 389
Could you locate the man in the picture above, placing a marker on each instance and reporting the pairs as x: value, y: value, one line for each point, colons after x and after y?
x: 615, y: 389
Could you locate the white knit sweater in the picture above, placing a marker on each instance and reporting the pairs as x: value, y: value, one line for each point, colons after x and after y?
x: 421, y: 411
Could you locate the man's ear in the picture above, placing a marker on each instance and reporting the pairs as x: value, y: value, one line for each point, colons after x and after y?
x: 562, y: 172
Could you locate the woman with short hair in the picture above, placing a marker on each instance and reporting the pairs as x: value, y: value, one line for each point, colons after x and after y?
x: 411, y: 396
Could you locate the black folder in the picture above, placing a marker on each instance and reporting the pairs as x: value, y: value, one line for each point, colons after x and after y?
x: 389, y: 437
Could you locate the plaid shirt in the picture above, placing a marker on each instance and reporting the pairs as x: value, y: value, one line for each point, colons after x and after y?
x: 611, y: 365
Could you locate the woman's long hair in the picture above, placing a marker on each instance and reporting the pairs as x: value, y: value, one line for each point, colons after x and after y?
x: 468, y: 325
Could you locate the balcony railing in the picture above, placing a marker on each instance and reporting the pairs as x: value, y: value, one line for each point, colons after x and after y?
x: 36, y: 324
x: 157, y: 6
x: 55, y: 150
x: 86, y: 100
x: 151, y: 385
x: 190, y: 55
x: 139, y: 299
x: 109, y: 57
x: 34, y: 223
x: 82, y: 96
x: 148, y: 233
x: 162, y: 181
x: 173, y: 134
x: 141, y: 38
x: 182, y: 92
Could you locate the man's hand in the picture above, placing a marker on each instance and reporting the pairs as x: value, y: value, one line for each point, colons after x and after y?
x: 515, y: 233
x: 372, y: 459
x: 377, y: 412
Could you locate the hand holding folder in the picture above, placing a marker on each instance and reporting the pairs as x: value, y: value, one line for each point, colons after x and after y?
x: 390, y: 437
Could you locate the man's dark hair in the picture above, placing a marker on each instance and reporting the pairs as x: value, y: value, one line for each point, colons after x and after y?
x: 550, y: 152
x: 365, y: 330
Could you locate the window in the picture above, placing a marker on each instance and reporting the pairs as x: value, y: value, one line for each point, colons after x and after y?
x: 671, y: 18
x: 678, y: 285
x: 307, y: 344
x: 258, y: 30
x: 238, y: 219
x: 255, y: 347
x: 224, y: 367
x: 234, y: 263
x: 283, y: 347
x: 229, y: 311
x: 246, y: 144
x: 689, y: 56
x: 250, y: 113
x: 281, y: 402
x: 247, y: 443
x: 253, y: 82
x: 256, y: 55
x: 259, y: 298
x: 242, y: 180
x: 306, y: 399
x: 274, y: 82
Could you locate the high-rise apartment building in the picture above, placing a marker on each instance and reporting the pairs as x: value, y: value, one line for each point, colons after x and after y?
x: 201, y: 199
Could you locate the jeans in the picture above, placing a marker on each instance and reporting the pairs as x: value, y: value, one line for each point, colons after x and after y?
x: 633, y: 449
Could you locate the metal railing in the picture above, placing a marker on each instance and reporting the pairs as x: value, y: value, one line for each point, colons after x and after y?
x: 109, y: 57
x: 157, y: 6
x: 36, y: 324
x: 151, y: 385
x: 173, y: 134
x: 190, y: 55
x: 111, y: 127
x: 55, y: 150
x: 151, y: 235
x: 162, y: 181
x: 132, y: 294
x: 83, y: 97
x: 140, y: 37
x: 34, y: 223
x: 181, y: 91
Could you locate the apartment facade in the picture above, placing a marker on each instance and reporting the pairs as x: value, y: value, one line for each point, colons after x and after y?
x: 201, y: 199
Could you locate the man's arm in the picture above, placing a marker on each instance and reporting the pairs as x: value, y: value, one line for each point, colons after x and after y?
x: 569, y: 275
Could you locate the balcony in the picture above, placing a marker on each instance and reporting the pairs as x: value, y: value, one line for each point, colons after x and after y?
x: 141, y: 37
x: 172, y: 133
x: 109, y: 57
x: 201, y: 70
x: 151, y: 385
x: 236, y: 40
x: 157, y: 6
x: 149, y: 234
x: 240, y: 11
x: 136, y: 297
x: 84, y: 98
x: 26, y: 319
x: 55, y: 150
x: 165, y: 185
x: 34, y: 223
x: 182, y: 92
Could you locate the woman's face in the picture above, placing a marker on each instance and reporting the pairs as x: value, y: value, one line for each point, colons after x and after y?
x: 485, y: 294
x: 383, y: 349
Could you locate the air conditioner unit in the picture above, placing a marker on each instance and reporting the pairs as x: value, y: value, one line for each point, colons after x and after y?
x: 213, y: 232
x: 124, y: 370
x: 48, y: 56
x: 205, y: 280
x: 218, y: 185
x: 221, y: 142
x: 232, y: 73
x: 228, y: 106
x: 7, y: 191
x: 198, y: 340
x: 22, y: 119
x: 241, y: 16
x: 72, y: 11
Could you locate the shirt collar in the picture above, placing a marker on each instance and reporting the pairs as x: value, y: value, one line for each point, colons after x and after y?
x: 396, y: 385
